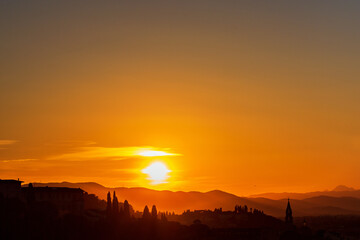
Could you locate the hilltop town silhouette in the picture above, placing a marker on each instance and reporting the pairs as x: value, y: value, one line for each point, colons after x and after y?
x: 30, y: 212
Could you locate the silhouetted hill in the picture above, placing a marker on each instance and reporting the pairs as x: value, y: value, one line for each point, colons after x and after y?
x: 348, y: 203
x: 342, y: 188
x: 181, y: 201
x: 339, y: 191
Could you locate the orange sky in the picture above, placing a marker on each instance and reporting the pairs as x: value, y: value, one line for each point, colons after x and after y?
x: 251, y: 97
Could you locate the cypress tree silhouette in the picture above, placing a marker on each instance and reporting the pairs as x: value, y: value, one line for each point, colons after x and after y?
x: 108, y: 204
x: 245, y: 208
x: 154, y: 212
x: 115, y: 204
x: 146, y: 213
x: 126, y: 209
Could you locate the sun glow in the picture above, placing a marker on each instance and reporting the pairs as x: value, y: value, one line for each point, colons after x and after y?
x: 157, y: 172
x: 153, y: 153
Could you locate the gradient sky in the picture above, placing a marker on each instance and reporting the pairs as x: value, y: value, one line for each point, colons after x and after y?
x: 250, y: 96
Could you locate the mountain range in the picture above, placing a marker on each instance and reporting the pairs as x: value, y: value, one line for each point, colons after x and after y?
x: 339, y: 191
x: 340, y: 201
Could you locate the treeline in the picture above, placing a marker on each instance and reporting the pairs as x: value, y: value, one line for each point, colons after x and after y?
x: 114, y: 210
x: 239, y: 209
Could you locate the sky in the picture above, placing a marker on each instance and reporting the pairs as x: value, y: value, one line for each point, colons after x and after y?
x: 244, y: 96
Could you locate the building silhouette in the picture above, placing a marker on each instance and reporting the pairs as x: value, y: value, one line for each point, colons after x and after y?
x: 288, y: 217
x: 10, y: 188
x: 64, y: 199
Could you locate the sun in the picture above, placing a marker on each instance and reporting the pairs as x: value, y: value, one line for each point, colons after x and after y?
x: 157, y: 172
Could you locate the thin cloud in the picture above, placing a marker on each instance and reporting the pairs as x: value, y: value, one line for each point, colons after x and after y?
x: 7, y: 142
x: 87, y: 153
x: 71, y: 143
x: 17, y: 160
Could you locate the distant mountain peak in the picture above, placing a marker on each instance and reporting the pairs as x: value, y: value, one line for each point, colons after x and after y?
x: 342, y: 188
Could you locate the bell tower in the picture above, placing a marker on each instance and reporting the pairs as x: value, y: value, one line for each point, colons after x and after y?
x: 288, y: 217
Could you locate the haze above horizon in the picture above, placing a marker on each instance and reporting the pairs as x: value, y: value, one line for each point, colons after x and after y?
x: 241, y: 96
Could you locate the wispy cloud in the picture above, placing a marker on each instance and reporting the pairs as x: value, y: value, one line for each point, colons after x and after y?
x: 7, y: 142
x: 87, y: 153
x: 17, y: 160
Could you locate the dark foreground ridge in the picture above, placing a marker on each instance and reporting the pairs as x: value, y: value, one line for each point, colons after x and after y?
x: 71, y: 213
x: 314, y: 204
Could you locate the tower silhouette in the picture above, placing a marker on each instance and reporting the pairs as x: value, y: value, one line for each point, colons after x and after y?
x: 288, y: 217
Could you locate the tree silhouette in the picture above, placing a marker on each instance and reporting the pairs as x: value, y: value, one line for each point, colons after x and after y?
x: 146, y: 213
x: 245, y: 209
x: 154, y: 212
x: 108, y: 204
x: 115, y: 204
x: 126, y: 209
